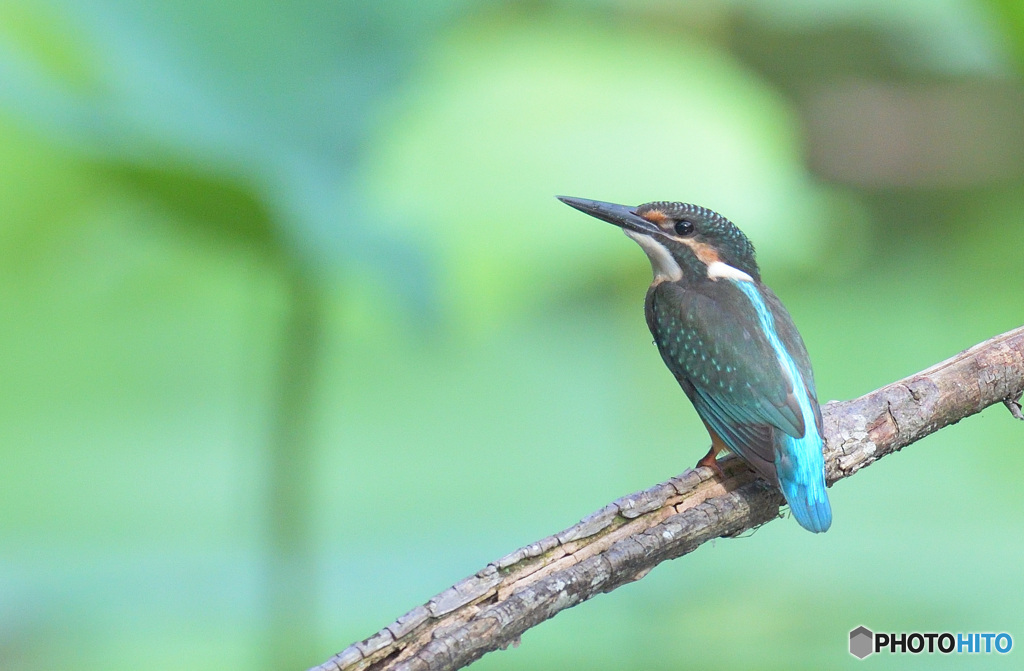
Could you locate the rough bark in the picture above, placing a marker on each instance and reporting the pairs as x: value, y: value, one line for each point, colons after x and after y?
x: 624, y: 540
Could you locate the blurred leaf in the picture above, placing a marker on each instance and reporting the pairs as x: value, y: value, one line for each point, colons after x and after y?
x: 202, y: 202
x: 274, y: 97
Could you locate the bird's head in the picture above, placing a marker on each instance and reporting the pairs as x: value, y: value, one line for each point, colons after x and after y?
x: 683, y: 241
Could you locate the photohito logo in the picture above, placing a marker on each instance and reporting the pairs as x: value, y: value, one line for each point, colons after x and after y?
x: 864, y: 642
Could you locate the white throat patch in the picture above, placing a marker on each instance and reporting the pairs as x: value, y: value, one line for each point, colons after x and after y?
x: 662, y: 263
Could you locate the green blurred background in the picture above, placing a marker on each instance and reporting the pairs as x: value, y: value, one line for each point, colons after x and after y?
x: 293, y: 334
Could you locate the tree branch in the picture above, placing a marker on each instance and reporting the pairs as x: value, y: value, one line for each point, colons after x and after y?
x: 627, y: 538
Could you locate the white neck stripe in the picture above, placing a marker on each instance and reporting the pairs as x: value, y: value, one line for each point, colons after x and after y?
x: 720, y: 270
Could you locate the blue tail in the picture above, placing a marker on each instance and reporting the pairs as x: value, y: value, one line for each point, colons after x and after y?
x: 801, y: 470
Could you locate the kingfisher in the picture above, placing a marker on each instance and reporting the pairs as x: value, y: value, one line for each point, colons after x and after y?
x: 731, y: 345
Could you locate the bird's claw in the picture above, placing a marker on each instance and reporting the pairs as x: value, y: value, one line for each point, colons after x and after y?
x: 709, y: 461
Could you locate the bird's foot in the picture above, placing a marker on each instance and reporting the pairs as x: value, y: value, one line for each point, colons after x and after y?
x: 711, y: 462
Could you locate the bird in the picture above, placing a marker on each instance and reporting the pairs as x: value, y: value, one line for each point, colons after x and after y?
x: 731, y: 345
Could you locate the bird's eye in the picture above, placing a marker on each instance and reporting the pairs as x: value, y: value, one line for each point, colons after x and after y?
x: 684, y: 227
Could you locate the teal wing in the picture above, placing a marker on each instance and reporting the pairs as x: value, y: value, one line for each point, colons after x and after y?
x: 709, y: 337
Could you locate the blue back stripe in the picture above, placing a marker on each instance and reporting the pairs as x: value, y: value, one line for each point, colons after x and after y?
x: 768, y: 326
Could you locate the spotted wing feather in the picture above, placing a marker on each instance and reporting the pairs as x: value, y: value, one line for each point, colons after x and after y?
x: 709, y: 338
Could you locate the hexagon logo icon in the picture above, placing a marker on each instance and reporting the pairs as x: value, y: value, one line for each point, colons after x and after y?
x: 862, y: 642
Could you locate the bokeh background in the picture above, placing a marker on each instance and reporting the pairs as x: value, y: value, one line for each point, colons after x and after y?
x: 293, y: 334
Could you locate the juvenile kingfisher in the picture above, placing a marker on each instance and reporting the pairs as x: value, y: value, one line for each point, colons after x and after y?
x: 731, y: 345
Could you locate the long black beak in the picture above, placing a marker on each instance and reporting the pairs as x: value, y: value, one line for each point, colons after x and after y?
x: 620, y: 215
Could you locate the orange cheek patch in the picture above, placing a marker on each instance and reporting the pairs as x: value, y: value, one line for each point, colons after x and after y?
x: 655, y: 217
x: 705, y: 253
